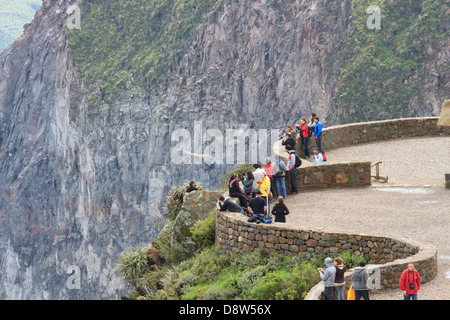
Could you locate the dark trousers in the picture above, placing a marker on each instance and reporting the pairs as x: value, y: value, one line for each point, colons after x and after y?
x: 242, y: 199
x: 319, y: 143
x: 305, y: 146
x: 272, y: 186
x: 266, y: 199
x: 362, y: 293
x: 292, y: 175
x: 328, y: 293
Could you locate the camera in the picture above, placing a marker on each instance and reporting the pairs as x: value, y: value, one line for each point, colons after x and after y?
x: 411, y: 285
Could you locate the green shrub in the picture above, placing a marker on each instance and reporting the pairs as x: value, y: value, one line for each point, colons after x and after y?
x: 135, y: 40
x: 384, y: 70
x: 176, y: 197
x: 132, y: 264
x: 241, y: 171
x: 204, y: 231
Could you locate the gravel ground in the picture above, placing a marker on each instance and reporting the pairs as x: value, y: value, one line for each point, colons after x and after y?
x: 412, y: 204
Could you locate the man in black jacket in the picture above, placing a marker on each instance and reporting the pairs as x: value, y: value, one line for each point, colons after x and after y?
x: 228, y: 204
x: 288, y: 140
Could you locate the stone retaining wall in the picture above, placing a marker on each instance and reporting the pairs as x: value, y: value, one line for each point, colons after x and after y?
x: 366, y: 132
x: 390, y: 256
x: 387, y: 276
x: 332, y: 175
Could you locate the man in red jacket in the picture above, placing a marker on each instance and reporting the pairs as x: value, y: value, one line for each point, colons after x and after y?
x: 410, y: 282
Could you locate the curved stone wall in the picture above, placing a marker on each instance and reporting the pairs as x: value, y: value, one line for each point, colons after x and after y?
x: 366, y: 132
x: 389, y: 256
x: 332, y: 175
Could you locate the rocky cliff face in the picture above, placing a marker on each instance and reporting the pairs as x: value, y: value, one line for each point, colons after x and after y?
x: 79, y: 185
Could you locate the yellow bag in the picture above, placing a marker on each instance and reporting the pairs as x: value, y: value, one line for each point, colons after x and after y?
x: 351, y: 293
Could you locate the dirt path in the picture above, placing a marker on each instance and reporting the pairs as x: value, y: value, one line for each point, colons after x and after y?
x: 413, y: 204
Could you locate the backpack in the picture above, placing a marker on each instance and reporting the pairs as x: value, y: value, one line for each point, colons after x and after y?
x: 310, y: 131
x: 298, y: 161
x: 279, y: 171
x: 323, y: 156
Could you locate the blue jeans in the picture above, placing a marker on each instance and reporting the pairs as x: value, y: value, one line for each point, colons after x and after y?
x: 339, y: 292
x: 410, y: 296
x: 305, y: 144
x: 292, y: 175
x: 281, y: 181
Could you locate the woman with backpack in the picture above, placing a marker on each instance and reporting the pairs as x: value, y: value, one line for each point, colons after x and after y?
x: 279, y: 168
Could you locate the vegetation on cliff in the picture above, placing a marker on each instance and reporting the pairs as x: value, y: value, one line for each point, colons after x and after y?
x: 199, y: 271
x: 385, y: 69
x: 134, y: 40
x: 213, y: 276
x: 379, y: 72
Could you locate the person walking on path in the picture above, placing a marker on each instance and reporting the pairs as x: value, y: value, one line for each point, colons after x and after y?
x: 328, y: 276
x: 318, y: 134
x: 280, y: 211
x: 410, y: 282
x: 279, y: 169
x: 360, y: 277
x: 292, y: 170
x: 339, y: 281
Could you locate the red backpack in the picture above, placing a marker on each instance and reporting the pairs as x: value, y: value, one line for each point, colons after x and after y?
x: 323, y: 156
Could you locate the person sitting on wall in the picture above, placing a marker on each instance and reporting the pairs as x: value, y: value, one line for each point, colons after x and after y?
x: 236, y: 191
x: 318, y: 156
x: 257, y: 207
x: 227, y: 204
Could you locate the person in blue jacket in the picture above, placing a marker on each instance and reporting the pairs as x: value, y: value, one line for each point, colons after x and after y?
x: 318, y: 134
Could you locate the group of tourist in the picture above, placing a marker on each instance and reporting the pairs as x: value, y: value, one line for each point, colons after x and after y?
x: 257, y: 193
x: 333, y: 278
x: 306, y: 130
x: 260, y: 185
